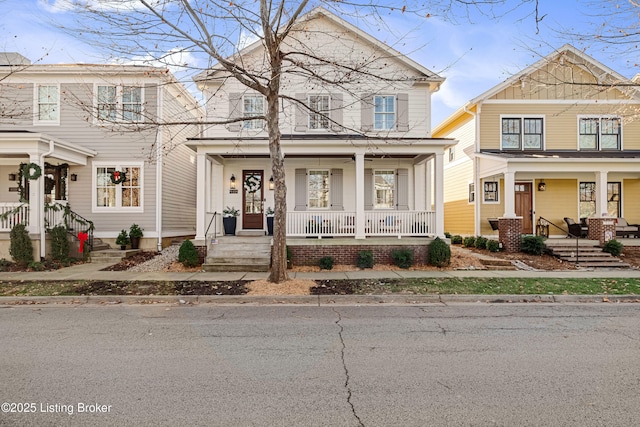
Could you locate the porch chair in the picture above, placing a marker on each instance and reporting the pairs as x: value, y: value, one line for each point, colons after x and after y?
x: 575, y: 229
x: 391, y: 224
x: 624, y: 229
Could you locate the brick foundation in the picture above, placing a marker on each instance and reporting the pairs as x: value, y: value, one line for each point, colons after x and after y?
x: 510, y: 233
x: 602, y: 229
x: 348, y: 254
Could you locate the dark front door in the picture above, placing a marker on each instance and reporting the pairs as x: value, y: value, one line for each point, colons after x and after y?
x: 524, y: 203
x: 252, y: 196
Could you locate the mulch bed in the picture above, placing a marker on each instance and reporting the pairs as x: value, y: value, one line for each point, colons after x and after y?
x: 131, y: 261
x: 192, y: 287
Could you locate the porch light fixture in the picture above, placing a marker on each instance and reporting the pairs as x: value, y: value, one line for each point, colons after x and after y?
x: 12, y: 177
x: 74, y: 177
x: 271, y: 184
x: 232, y: 182
x: 542, y: 186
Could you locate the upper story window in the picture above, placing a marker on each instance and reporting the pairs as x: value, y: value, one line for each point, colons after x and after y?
x: 126, y: 195
x: 48, y: 104
x: 318, y: 181
x: 253, y: 105
x: 384, y: 112
x: 384, y: 182
x: 599, y: 133
x: 120, y: 103
x: 319, y: 106
x: 522, y: 133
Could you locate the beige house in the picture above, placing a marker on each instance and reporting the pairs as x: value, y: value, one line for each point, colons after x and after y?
x: 360, y: 159
x: 65, y: 129
x: 556, y: 140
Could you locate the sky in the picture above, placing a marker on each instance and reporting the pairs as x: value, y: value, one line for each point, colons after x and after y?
x: 474, y: 53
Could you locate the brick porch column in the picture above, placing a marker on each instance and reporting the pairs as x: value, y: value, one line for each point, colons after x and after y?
x: 510, y: 233
x: 602, y: 229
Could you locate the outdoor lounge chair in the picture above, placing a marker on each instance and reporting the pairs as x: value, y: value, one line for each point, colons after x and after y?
x: 624, y: 229
x: 575, y: 229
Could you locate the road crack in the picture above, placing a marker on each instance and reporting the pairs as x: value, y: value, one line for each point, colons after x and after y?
x: 344, y: 366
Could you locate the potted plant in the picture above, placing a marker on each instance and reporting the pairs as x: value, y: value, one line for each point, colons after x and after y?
x: 135, y: 233
x: 269, y: 212
x: 229, y: 220
x: 122, y: 240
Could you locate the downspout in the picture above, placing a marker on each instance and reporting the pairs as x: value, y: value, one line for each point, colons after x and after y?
x: 159, y: 147
x: 476, y: 173
x: 43, y: 240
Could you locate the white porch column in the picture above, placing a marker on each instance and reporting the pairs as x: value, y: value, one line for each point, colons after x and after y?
x: 438, y: 200
x: 601, y: 195
x: 201, y: 199
x: 36, y: 198
x: 216, y: 182
x: 360, y: 220
x: 428, y: 184
x: 509, y: 194
x: 419, y: 182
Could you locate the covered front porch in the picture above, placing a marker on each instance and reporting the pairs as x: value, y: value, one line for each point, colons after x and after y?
x: 336, y: 187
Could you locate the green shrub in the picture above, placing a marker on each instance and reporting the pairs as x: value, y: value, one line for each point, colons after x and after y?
x: 5, y: 264
x: 532, y: 245
x: 36, y: 266
x: 326, y: 263
x: 365, y: 259
x: 403, y: 258
x: 481, y: 242
x: 469, y: 241
x: 613, y: 247
x: 439, y: 253
x: 59, y: 243
x: 21, y: 248
x: 493, y: 245
x: 447, y: 234
x: 188, y: 254
x: 123, y: 238
x: 456, y: 239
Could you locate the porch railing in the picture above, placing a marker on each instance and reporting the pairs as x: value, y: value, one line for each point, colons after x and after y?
x: 12, y: 214
x: 59, y: 213
x: 377, y: 223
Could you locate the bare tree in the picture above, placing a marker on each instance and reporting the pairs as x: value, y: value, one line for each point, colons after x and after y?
x: 217, y: 31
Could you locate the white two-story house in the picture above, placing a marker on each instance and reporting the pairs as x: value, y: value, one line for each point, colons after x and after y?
x: 88, y: 137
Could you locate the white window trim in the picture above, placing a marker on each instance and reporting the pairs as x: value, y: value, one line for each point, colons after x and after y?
x: 328, y: 189
x: 395, y: 112
x: 328, y: 114
x: 490, y: 202
x: 94, y: 184
x: 245, y: 116
x: 395, y: 195
x: 599, y: 117
x: 469, y: 192
x: 119, y: 93
x: 36, y: 104
x: 522, y: 117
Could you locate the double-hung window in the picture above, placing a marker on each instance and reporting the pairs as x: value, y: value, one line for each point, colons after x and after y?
x: 384, y: 112
x: 48, y: 104
x: 522, y: 133
x: 384, y: 182
x: 319, y: 107
x: 126, y: 195
x: 253, y: 105
x: 318, y: 182
x: 490, y: 194
x: 587, y: 199
x: 120, y: 103
x: 599, y: 133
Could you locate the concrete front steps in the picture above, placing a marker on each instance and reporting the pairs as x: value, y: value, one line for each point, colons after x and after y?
x: 586, y: 253
x: 239, y: 253
x: 497, y: 264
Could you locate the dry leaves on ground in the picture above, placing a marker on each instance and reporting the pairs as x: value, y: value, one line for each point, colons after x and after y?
x: 288, y: 287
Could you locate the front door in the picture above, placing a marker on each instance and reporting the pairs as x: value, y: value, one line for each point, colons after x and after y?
x: 524, y: 203
x: 252, y: 197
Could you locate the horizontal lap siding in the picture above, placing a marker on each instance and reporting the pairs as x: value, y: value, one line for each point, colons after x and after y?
x: 631, y: 200
x: 558, y: 201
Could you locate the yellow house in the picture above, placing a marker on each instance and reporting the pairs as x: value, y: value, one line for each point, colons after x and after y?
x: 556, y: 140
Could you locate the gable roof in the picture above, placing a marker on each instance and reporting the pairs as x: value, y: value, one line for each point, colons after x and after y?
x: 320, y: 12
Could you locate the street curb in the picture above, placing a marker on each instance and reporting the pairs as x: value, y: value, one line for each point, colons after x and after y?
x: 319, y: 300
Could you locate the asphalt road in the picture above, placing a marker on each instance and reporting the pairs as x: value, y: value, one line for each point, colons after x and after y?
x: 432, y: 365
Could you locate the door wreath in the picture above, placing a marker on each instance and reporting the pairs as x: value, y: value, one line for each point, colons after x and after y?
x: 251, y: 184
x: 31, y: 171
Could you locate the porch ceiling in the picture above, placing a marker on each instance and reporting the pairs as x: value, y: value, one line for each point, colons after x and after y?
x: 18, y: 145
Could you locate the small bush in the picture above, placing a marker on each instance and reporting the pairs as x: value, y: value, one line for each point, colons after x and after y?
x: 447, y: 234
x: 36, y: 266
x: 613, y: 247
x: 59, y: 243
x: 533, y: 245
x: 493, y: 245
x: 365, y: 259
x: 21, y: 248
x: 456, y: 239
x: 469, y: 241
x: 481, y: 242
x: 403, y: 258
x: 326, y: 263
x: 5, y: 264
x: 188, y: 254
x: 439, y: 253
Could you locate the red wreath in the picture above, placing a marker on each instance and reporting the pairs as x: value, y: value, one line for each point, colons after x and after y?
x: 118, y: 177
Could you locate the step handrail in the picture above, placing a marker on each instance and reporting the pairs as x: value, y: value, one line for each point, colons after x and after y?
x: 215, y: 226
x: 569, y: 235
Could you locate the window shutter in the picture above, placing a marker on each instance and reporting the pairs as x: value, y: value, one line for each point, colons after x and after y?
x: 366, y: 112
x: 302, y: 114
x: 235, y: 111
x: 336, y: 112
x: 301, y: 190
x: 368, y: 189
x: 403, y: 112
x: 335, y: 190
x: 402, y: 189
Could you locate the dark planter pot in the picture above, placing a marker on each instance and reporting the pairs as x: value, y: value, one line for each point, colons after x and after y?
x: 270, y: 225
x: 135, y: 242
x: 123, y: 247
x: 229, y: 224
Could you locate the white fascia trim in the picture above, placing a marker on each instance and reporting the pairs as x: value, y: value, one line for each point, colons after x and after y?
x: 562, y: 101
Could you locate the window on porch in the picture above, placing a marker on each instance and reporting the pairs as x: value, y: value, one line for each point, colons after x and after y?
x: 384, y: 186
x: 588, y: 199
x: 318, y: 181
